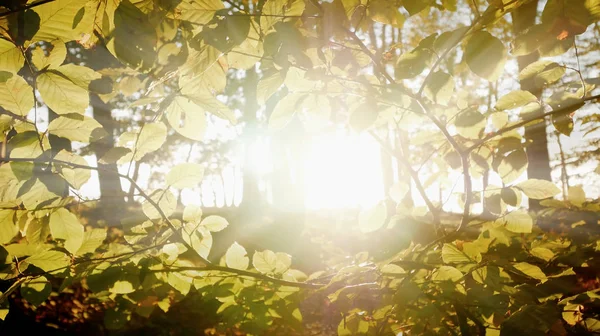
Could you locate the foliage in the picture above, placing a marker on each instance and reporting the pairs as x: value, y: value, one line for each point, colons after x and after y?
x: 511, y: 272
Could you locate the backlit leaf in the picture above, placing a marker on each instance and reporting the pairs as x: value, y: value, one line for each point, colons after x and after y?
x: 62, y: 95
x: 165, y: 201
x: 538, y: 189
x: 236, y: 257
x: 485, y: 55
x: 185, y: 175
x: 16, y: 95
x: 65, y: 225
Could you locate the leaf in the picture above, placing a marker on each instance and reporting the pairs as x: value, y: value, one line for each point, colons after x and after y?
x: 114, y: 154
x: 372, y: 219
x: 62, y: 95
x: 512, y: 166
x: 415, y: 6
x: 27, y: 145
x: 265, y: 261
x: 50, y: 260
x: 439, y: 87
x: 530, y: 270
x: 386, y: 12
x: 37, y: 290
x: 542, y: 253
x: 76, y: 127
x: 518, y: 221
x: 470, y: 123
x: 185, y: 175
x: 76, y: 177
x: 186, y: 118
x: 538, y: 189
x: 452, y: 255
x: 542, y: 73
x: 576, y: 195
x: 412, y: 64
x: 214, y: 223
x: 284, y: 111
x: 192, y: 214
x: 65, y: 225
x: 511, y: 196
x: 236, y: 257
x: 166, y: 203
x: 57, y: 19
x: 363, y: 117
x: 11, y: 57
x: 16, y: 95
x: 267, y: 86
x: 8, y: 227
x: 444, y: 273
x: 485, y: 55
x: 57, y: 52
x: 275, y: 10
x: 92, y: 239
x: 81, y: 76
x: 515, y: 99
x: 199, y: 12
x: 151, y: 138
x: 134, y: 37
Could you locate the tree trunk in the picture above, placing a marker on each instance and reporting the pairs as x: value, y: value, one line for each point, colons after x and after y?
x: 111, y: 192
x: 537, y: 139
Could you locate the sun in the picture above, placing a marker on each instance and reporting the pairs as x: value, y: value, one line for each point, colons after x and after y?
x: 343, y: 170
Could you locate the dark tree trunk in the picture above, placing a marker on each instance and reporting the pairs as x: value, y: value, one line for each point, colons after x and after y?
x: 111, y: 191
x: 537, y: 139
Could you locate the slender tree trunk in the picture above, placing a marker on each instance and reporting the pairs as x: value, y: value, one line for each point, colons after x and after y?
x: 111, y: 192
x: 537, y: 139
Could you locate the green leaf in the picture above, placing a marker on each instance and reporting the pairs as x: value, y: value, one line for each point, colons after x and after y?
x: 470, y: 123
x: 530, y: 270
x: 511, y: 196
x: 415, y: 6
x: 76, y: 177
x: 265, y: 261
x: 92, y: 239
x: 185, y: 175
x: 62, y: 95
x: 445, y: 273
x: 372, y: 219
x: 542, y: 253
x: 77, y: 127
x: 8, y: 227
x: 151, y: 138
x: 50, y: 260
x: 439, y: 87
x: 538, y: 189
x: 11, y: 57
x: 81, y: 76
x: 165, y: 201
x: 37, y: 290
x: 214, y: 223
x: 412, y: 64
x: 134, y: 37
x: 186, y: 118
x: 542, y: 72
x: 275, y: 11
x: 57, y: 20
x: 267, y: 86
x: 386, y: 12
x: 284, y: 111
x: 363, y: 117
x: 65, y: 225
x: 179, y: 282
x: 512, y: 166
x: 192, y: 214
x: 452, y: 255
x: 51, y: 57
x: 515, y: 99
x: 485, y: 55
x: 115, y: 154
x: 16, y: 95
x: 236, y: 257
x: 199, y: 12
x: 517, y: 221
x: 27, y: 145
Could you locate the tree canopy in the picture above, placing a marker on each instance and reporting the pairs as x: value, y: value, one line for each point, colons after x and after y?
x: 170, y: 65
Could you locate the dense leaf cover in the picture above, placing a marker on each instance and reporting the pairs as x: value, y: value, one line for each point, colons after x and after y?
x: 509, y: 272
